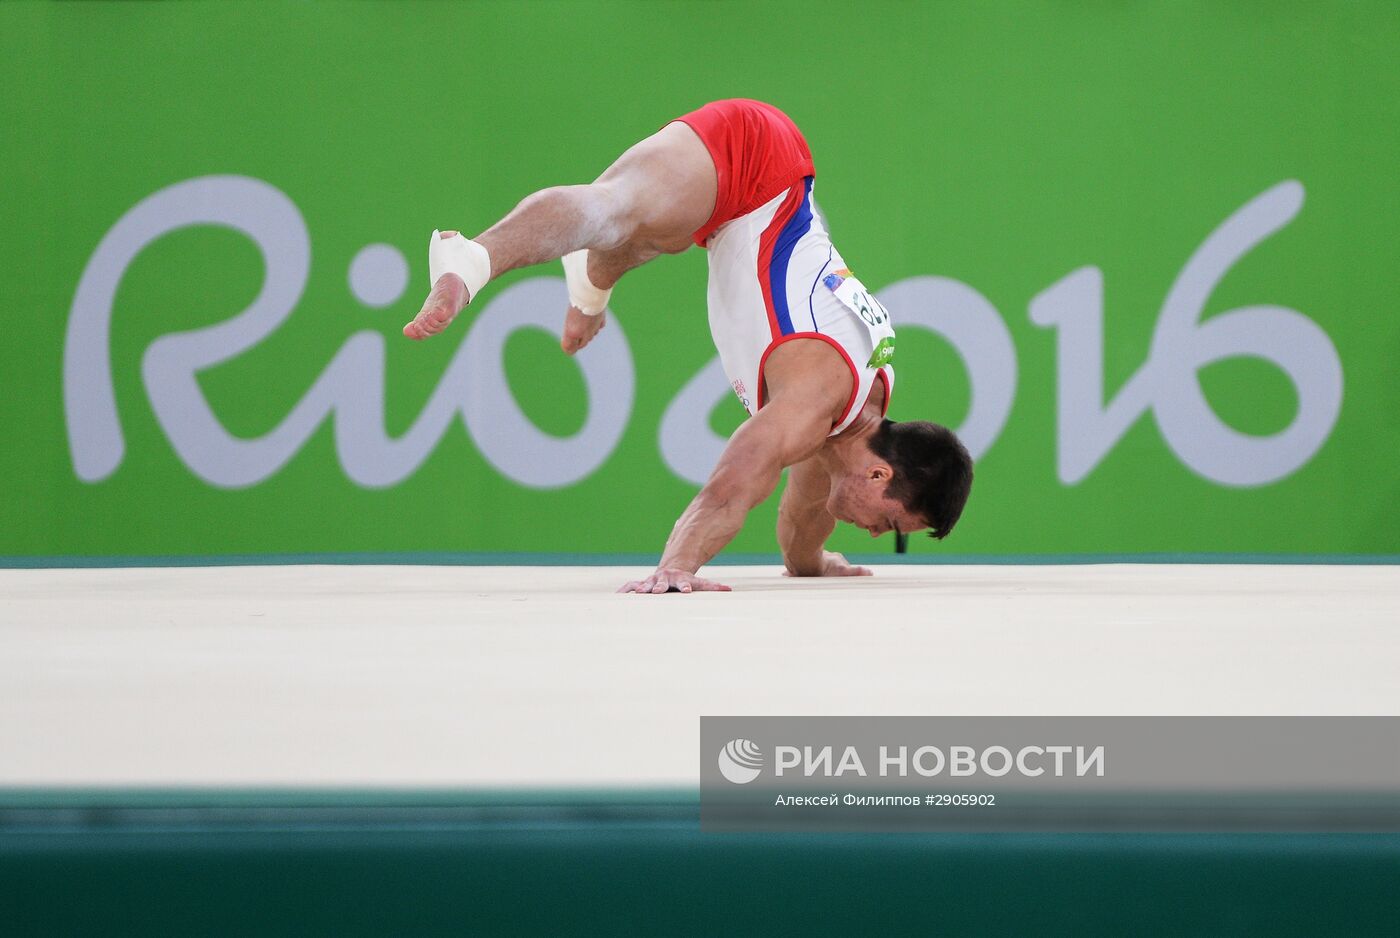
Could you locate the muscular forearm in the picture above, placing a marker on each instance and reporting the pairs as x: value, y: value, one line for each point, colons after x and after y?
x: 706, y: 526
x: 747, y: 473
x: 802, y: 534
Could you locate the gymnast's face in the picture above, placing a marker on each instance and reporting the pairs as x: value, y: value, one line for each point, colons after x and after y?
x: 861, y: 498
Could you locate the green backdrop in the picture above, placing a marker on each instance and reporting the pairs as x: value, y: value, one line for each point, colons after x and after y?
x: 999, y: 147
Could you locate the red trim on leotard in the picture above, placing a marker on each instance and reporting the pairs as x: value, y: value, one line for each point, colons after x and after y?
x: 765, y: 251
x: 855, y: 375
x: 885, y: 380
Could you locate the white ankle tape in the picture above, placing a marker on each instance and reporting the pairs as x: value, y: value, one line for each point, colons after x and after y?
x: 582, y: 293
x: 460, y: 256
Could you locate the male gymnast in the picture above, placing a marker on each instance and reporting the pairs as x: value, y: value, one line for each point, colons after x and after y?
x: 805, y: 346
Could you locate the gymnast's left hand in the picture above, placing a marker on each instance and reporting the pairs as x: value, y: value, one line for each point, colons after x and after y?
x: 833, y: 564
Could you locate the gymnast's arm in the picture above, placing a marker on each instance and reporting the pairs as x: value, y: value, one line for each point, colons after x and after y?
x: 784, y: 432
x: 804, y: 524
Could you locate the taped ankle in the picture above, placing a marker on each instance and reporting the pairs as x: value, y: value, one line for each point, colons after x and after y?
x: 582, y: 293
x: 461, y: 256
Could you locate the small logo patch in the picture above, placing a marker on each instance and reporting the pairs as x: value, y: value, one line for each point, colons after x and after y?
x: 741, y: 392
x: 834, y: 280
x: 883, y: 354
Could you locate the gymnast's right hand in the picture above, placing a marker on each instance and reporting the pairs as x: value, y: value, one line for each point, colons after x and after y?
x: 670, y: 580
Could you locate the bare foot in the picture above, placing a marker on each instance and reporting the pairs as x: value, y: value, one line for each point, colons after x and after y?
x: 447, y: 299
x: 579, y: 329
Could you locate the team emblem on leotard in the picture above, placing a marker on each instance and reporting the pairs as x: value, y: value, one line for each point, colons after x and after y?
x: 742, y: 393
x: 834, y: 280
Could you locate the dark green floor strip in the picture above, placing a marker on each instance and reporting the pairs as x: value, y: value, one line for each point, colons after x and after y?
x: 541, y: 863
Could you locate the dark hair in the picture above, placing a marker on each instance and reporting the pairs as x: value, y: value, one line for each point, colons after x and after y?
x: 932, y: 470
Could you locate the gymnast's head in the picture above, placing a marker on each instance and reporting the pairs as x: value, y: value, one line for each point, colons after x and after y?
x: 918, y: 475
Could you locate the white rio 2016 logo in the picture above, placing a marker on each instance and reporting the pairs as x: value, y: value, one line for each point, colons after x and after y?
x: 351, y: 387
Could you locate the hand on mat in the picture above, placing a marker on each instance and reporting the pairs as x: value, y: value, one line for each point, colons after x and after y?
x: 673, y: 581
x: 834, y: 564
x: 579, y: 329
